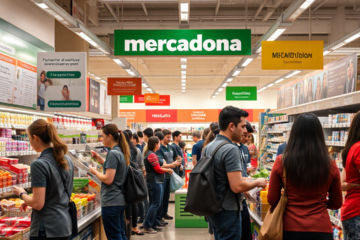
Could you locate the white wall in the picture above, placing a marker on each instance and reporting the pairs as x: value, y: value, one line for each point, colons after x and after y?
x: 198, y: 99
x: 30, y: 18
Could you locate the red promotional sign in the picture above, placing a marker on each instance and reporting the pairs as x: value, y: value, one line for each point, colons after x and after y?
x: 164, y: 100
x: 161, y: 115
x: 139, y: 99
x: 124, y: 86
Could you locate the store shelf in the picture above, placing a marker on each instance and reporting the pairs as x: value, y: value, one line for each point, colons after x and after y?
x: 335, y: 144
x: 283, y: 121
x: 279, y: 131
x: 276, y: 140
x: 85, y: 221
x: 8, y: 192
x: 255, y: 218
x: 336, y: 221
x: 271, y: 151
x: 18, y: 153
x: 338, y: 125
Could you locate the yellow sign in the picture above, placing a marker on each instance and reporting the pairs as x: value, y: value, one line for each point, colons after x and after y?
x: 151, y: 98
x: 292, y: 55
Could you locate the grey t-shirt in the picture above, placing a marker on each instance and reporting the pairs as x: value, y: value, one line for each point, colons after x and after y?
x: 227, y: 159
x: 111, y: 195
x: 54, y: 218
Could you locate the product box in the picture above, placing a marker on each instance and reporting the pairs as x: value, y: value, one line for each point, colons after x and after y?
x: 81, y: 185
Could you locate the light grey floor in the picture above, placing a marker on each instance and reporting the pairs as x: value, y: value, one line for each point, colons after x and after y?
x: 172, y: 233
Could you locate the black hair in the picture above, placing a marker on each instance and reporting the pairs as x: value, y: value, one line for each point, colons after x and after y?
x: 153, y: 141
x: 135, y: 136
x: 160, y: 135
x: 166, y: 132
x: 128, y: 140
x: 354, y: 137
x: 182, y: 144
x: 148, y: 132
x: 249, y: 128
x: 140, y: 134
x: 157, y: 130
x: 229, y: 115
x: 306, y: 159
x: 214, y: 130
x: 176, y: 134
x: 129, y: 133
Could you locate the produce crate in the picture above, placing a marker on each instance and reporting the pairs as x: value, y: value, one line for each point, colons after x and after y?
x: 18, y: 236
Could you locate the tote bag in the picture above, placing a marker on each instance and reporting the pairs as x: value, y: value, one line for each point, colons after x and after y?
x: 272, y: 228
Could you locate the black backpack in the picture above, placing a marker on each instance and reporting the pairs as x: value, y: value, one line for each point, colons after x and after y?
x: 202, y: 185
x: 134, y: 187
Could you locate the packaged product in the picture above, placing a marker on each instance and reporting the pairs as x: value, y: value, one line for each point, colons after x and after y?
x: 81, y: 185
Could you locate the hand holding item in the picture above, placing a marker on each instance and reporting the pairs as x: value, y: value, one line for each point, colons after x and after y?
x: 23, y: 207
x: 261, y: 182
x: 170, y: 171
x: 18, y: 190
x: 94, y: 155
x: 92, y: 169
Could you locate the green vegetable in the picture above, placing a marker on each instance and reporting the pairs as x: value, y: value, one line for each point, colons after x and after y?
x: 262, y: 174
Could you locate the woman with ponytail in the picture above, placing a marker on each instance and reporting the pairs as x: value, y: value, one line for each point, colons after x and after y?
x: 116, y: 166
x: 50, y: 216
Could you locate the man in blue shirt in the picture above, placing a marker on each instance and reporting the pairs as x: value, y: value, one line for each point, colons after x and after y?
x: 197, y: 148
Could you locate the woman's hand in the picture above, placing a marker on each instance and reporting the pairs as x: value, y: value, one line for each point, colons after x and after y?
x: 23, y: 207
x: 92, y: 170
x: 18, y: 190
x: 170, y: 171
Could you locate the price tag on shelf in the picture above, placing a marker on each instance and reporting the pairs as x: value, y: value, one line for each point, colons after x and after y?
x: 4, y: 190
x: 8, y: 189
x: 348, y: 100
x: 335, y: 102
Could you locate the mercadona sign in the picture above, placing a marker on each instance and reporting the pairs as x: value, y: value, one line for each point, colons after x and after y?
x: 182, y: 42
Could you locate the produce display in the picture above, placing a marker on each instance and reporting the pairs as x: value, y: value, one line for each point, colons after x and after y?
x: 10, y: 226
x: 262, y: 174
x: 85, y: 203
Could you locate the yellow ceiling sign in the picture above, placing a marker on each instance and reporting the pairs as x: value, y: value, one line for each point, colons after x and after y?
x: 292, y: 55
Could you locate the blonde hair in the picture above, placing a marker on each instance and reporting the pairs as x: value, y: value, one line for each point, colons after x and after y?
x: 47, y: 133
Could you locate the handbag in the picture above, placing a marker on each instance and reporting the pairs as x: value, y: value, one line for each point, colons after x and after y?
x: 272, y: 228
x: 71, y: 206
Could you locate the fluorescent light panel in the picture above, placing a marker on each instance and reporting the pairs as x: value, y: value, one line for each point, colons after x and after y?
x: 183, y: 88
x: 149, y: 89
x: 183, y: 72
x: 229, y: 80
x: 87, y: 38
x: 301, y: 9
x: 130, y: 72
x: 271, y: 84
x: 262, y: 89
x: 236, y: 73
x: 184, y: 7
x: 247, y: 62
x: 183, y: 84
x: 183, y: 66
x: 224, y: 85
x: 42, y: 5
x: 144, y: 85
x: 183, y: 80
x: 326, y: 53
x: 306, y: 4
x: 183, y: 60
x: 350, y: 39
x: 183, y: 76
x: 220, y: 89
x: 292, y: 74
x: 280, y: 80
x: 97, y: 78
x: 184, y: 16
x: 276, y: 34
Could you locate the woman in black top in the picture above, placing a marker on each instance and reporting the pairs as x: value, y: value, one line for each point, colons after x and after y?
x: 50, y: 217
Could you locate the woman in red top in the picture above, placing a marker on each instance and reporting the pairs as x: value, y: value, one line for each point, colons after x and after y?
x: 350, y: 211
x: 310, y: 176
x: 253, y: 152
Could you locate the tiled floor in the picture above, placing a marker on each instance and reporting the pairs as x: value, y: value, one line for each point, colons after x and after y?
x: 172, y: 233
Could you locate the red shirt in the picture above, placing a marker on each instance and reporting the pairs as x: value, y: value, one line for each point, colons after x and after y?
x: 306, y: 210
x: 351, y: 207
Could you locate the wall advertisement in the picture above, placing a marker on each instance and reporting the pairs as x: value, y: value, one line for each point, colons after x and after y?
x: 105, y: 101
x: 94, y: 95
x: 337, y: 78
x: 62, y: 81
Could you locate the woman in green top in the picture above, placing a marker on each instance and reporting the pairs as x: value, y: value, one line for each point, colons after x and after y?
x: 116, y: 167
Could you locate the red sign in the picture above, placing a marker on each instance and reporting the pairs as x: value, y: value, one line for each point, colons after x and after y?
x: 151, y: 97
x: 124, y: 86
x: 139, y: 99
x: 164, y: 100
x: 161, y: 115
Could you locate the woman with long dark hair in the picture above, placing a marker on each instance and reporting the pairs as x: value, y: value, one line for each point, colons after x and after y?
x: 350, y: 178
x: 50, y: 217
x: 214, y: 130
x: 310, y: 177
x: 116, y: 167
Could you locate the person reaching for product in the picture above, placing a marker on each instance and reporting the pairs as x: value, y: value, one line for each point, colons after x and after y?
x: 50, y: 217
x: 308, y: 170
x: 154, y: 181
x: 350, y: 178
x: 116, y: 167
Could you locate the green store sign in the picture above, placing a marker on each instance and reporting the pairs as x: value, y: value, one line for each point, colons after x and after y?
x: 63, y: 74
x: 241, y: 93
x: 182, y: 42
x: 126, y: 99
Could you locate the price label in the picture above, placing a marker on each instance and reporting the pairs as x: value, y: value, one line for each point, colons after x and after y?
x: 4, y: 190
x: 335, y: 102
x: 0, y: 190
x: 348, y: 100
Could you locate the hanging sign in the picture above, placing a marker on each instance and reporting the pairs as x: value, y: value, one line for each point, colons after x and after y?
x: 124, y: 86
x: 183, y: 42
x: 163, y: 115
x: 241, y: 93
x: 164, y: 100
x: 94, y: 96
x: 126, y: 99
x: 136, y: 115
x: 139, y: 99
x: 198, y: 115
x: 292, y: 55
x: 151, y: 98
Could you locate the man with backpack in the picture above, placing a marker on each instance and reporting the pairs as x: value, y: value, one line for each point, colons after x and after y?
x: 224, y: 187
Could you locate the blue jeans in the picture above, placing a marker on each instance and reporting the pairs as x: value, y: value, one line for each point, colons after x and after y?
x: 41, y: 103
x: 143, y: 208
x: 155, y: 196
x: 226, y: 225
x: 166, y: 197
x: 351, y: 228
x: 114, y: 224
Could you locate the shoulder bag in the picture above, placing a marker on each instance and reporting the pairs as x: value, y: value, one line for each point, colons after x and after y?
x: 273, y: 225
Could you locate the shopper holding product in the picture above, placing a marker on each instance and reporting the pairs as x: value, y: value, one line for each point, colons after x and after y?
x: 116, y: 167
x: 350, y: 178
x: 50, y: 216
x: 312, y: 182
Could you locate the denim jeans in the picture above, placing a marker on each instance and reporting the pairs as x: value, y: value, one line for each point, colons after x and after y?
x: 155, y: 196
x: 351, y: 228
x: 307, y: 236
x: 245, y: 223
x: 226, y: 225
x: 166, y: 197
x: 114, y: 224
x: 143, y: 208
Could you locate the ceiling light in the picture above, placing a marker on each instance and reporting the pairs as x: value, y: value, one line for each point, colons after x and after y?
x: 271, y: 84
x: 276, y: 34
x: 280, y: 80
x: 292, y: 74
x: 130, y: 72
x: 184, y: 7
x: 326, y: 53
x: 87, y: 38
x: 217, y: 93
x: 306, y: 4
x: 42, y: 5
x: 183, y: 72
x: 183, y: 76
x: 103, y: 81
x: 213, y: 96
x: 103, y: 50
x: 97, y: 78
x: 262, y: 89
x: 247, y: 62
x: 184, y: 16
x: 259, y: 50
x: 224, y: 85
x: 229, y: 80
x: 339, y: 45
x: 183, y: 66
x: 301, y: 9
x: 149, y: 89
x: 183, y: 80
x: 58, y: 17
x: 119, y: 62
x: 236, y: 73
x: 350, y: 39
x: 183, y: 84
x: 183, y: 88
x: 183, y: 60
x: 144, y: 85
x: 92, y: 74
x: 220, y: 89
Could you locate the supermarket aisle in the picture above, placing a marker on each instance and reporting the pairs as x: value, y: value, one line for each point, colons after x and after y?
x: 170, y: 232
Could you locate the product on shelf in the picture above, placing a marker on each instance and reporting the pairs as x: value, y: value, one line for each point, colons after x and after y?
x: 85, y: 203
x: 341, y: 118
x: 281, y: 118
x: 8, y: 120
x: 81, y: 185
x: 280, y: 127
x: 64, y: 122
x: 10, y: 226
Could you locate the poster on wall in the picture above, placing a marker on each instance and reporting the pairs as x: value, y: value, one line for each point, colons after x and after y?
x: 337, y: 78
x: 105, y: 101
x: 94, y: 96
x: 62, y: 81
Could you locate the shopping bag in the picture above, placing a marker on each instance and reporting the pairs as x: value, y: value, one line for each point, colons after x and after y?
x: 176, y: 182
x: 272, y: 228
